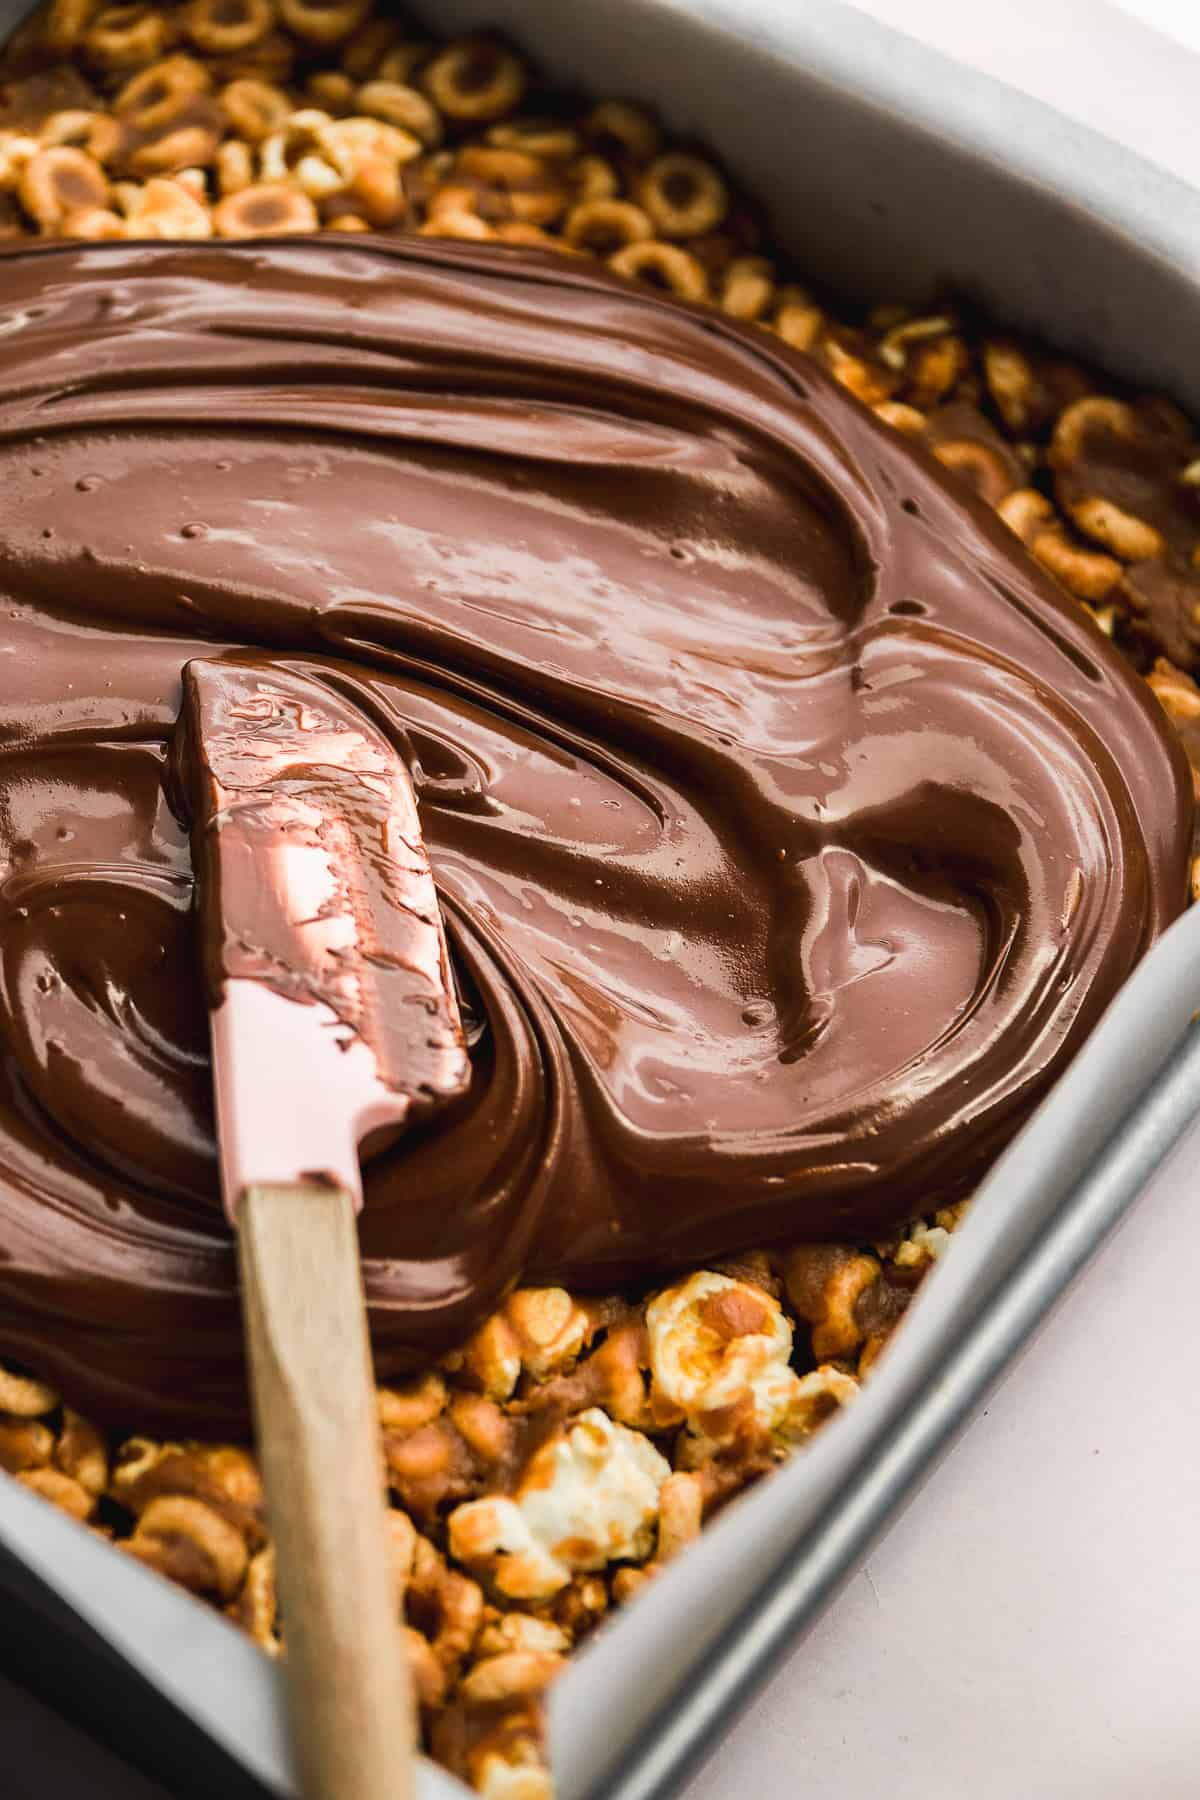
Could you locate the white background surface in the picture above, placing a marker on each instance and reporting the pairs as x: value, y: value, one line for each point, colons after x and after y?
x: 1100, y: 63
x: 1030, y: 1630
x: 1177, y: 18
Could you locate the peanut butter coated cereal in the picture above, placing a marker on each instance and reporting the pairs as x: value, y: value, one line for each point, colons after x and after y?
x: 573, y: 1445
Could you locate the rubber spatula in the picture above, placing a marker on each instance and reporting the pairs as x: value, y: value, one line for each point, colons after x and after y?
x: 333, y: 1018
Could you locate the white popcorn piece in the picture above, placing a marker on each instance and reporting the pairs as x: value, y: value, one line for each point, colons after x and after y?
x: 500, y: 1780
x: 824, y: 1383
x: 518, y: 1631
x: 818, y: 1395
x: 706, y: 1365
x: 588, y: 1497
x: 921, y: 1242
x: 496, y: 1528
x: 815, y: 1397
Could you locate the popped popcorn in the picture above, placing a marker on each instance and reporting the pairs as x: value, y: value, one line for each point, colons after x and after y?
x: 720, y: 1350
x: 588, y: 1497
x: 818, y: 1394
x: 920, y: 1243
x: 500, y: 1780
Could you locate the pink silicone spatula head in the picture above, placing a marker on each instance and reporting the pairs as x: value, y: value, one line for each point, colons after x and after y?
x: 333, y: 1009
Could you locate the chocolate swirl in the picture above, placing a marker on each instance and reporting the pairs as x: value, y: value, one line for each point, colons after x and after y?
x: 791, y: 830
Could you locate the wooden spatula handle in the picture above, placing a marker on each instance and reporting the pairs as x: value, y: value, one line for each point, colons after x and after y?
x: 314, y: 1405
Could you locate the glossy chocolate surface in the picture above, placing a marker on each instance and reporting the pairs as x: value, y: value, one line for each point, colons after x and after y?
x: 790, y: 828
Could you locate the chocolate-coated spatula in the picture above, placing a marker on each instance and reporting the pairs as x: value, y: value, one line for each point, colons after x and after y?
x: 333, y: 1016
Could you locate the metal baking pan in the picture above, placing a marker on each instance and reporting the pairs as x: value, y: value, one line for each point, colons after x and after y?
x: 889, y: 171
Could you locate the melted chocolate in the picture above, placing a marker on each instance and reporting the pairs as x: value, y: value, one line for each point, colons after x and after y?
x: 790, y: 828
x: 332, y: 1001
